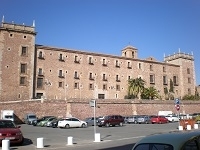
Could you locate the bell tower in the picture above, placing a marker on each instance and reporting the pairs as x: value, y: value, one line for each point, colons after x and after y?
x: 130, y: 52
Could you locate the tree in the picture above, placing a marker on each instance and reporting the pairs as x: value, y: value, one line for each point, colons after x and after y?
x: 150, y: 93
x: 136, y: 87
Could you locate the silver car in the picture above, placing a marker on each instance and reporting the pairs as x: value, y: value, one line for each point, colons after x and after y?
x: 144, y: 119
x: 132, y: 119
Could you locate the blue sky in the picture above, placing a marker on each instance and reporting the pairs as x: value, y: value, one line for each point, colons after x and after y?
x: 155, y: 27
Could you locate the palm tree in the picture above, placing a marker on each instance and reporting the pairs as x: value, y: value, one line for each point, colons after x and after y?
x: 136, y: 87
x: 150, y: 93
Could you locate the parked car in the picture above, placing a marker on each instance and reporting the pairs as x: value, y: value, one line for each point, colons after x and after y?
x: 10, y: 131
x: 71, y: 122
x: 90, y: 121
x: 172, y: 118
x: 54, y: 123
x: 144, y: 119
x: 159, y: 119
x: 43, y: 123
x: 35, y: 122
x: 170, y: 141
x: 29, y: 118
x: 111, y: 120
x: 132, y: 119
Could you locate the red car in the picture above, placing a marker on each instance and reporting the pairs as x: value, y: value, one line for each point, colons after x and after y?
x: 8, y: 130
x: 159, y: 119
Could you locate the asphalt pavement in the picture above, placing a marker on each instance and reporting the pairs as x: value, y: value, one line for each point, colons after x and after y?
x: 84, y: 138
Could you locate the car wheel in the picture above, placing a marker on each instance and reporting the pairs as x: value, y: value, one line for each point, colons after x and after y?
x: 67, y: 126
x: 83, y: 125
x: 107, y: 124
x: 120, y: 124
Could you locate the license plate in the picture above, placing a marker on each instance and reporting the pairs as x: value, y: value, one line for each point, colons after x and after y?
x: 9, y: 138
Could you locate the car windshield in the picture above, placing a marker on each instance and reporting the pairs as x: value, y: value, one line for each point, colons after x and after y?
x: 32, y: 117
x: 7, y: 124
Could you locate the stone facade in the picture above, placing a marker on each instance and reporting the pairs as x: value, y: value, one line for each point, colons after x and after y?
x: 29, y: 71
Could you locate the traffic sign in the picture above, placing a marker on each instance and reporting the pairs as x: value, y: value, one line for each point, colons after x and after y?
x: 177, y: 101
x: 92, y: 103
x: 177, y: 107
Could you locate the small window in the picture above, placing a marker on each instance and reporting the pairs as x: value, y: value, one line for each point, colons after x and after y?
x: 152, y: 79
x: 188, y: 70
x: 23, y: 68
x: 24, y: 51
x: 60, y: 84
x: 101, y: 96
x: 151, y: 67
x: 22, y: 80
x: 76, y: 75
x: 104, y: 77
x: 91, y: 86
x: 24, y: 36
x: 117, y: 64
x: 10, y: 35
x: 76, y: 59
x: 129, y: 65
x: 40, y: 72
x: 189, y: 80
x: 91, y: 76
x: 164, y: 69
x: 61, y: 57
x: 60, y: 75
x: 117, y: 78
x: 164, y: 80
x: 76, y: 85
x: 41, y: 56
x: 175, y: 80
x: 104, y: 62
x: 139, y: 66
x: 104, y: 86
x: 117, y: 87
x: 39, y: 82
x: 90, y: 61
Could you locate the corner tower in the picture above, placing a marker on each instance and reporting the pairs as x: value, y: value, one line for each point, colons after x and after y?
x: 187, y: 72
x: 17, y: 50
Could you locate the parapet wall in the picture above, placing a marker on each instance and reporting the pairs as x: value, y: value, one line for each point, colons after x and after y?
x: 81, y: 109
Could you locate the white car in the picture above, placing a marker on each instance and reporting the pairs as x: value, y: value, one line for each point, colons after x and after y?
x: 172, y: 118
x: 71, y: 122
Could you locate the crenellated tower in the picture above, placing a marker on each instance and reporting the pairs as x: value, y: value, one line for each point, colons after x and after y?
x: 186, y: 78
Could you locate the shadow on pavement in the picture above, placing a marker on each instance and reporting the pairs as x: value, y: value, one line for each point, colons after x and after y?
x: 124, y: 147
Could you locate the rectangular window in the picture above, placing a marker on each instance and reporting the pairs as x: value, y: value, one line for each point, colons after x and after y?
x: 41, y: 56
x: 188, y: 70
x: 151, y: 67
x: 76, y: 85
x: 90, y: 61
x: 22, y: 80
x: 76, y: 75
x: 60, y: 75
x: 152, y: 79
x: 104, y: 62
x: 129, y: 65
x: 117, y: 64
x: 23, y: 68
x: 164, y: 69
x: 39, y: 82
x: 40, y: 72
x: 101, y: 96
x: 91, y: 77
x: 104, y: 77
x: 165, y: 80
x: 117, y: 87
x: 117, y: 78
x: 91, y: 86
x: 61, y: 57
x: 139, y: 66
x: 104, y: 86
x: 175, y: 80
x: 189, y: 80
x: 60, y: 84
x: 24, y: 51
x: 76, y: 59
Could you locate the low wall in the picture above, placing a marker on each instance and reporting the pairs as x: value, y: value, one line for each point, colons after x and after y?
x: 81, y: 109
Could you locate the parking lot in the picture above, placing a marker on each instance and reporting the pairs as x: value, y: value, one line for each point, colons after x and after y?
x: 83, y: 138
